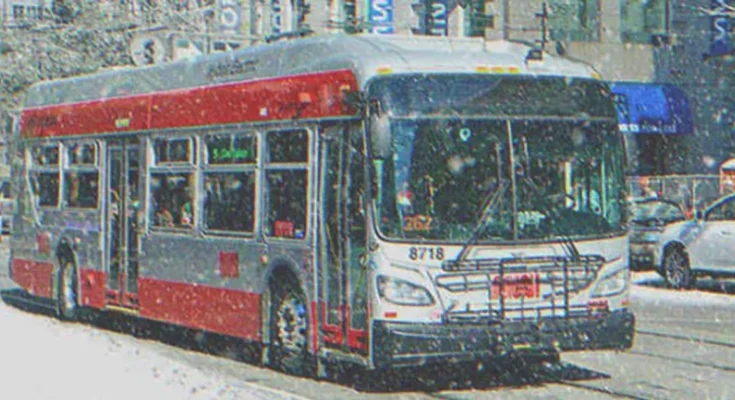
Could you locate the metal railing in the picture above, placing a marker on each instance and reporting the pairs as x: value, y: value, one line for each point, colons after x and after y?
x: 692, y: 192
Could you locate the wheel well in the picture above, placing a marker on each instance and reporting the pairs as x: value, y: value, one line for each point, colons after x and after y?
x: 282, y: 273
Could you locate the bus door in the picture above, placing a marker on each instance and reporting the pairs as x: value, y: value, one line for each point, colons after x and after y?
x: 123, y: 206
x: 343, y: 291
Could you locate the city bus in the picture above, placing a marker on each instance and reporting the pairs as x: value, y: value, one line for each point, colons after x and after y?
x: 380, y: 201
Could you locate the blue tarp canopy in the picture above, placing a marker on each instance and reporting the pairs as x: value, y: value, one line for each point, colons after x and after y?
x: 649, y: 108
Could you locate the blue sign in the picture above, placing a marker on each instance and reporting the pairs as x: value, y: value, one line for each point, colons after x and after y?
x: 645, y: 108
x: 277, y: 16
x: 439, y: 18
x: 380, y: 16
x: 719, y: 29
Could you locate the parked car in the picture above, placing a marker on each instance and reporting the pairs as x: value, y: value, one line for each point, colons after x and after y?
x: 699, y: 246
x: 648, y: 219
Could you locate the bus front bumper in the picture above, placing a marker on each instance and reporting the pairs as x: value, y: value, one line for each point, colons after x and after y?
x: 398, y: 344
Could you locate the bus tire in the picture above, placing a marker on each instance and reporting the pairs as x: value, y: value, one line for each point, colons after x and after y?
x: 67, y: 295
x: 289, y: 328
x: 676, y: 270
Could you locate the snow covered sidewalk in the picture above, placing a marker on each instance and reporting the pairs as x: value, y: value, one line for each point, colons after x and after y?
x: 44, y: 359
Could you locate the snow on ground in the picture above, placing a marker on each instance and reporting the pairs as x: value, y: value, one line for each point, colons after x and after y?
x: 650, y: 286
x: 42, y: 358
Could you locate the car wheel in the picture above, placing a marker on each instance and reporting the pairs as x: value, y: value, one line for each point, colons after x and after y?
x: 67, y: 305
x: 289, y: 327
x: 676, y: 270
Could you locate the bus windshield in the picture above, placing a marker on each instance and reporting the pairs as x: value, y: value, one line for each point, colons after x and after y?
x: 533, y: 177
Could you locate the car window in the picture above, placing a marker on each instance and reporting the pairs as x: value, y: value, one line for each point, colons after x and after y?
x: 722, y: 212
x: 655, y: 210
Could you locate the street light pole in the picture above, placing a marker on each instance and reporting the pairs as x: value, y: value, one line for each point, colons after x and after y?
x: 506, y: 18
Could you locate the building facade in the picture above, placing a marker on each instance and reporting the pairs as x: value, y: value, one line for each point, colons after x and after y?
x: 680, y: 49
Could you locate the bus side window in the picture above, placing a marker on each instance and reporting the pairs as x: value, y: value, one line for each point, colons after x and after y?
x: 172, y: 199
x: 287, y: 183
x: 44, y: 175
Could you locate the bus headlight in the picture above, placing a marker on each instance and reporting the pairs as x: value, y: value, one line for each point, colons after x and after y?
x: 612, y: 284
x: 402, y: 292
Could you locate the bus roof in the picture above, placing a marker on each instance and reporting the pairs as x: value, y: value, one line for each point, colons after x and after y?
x: 366, y: 55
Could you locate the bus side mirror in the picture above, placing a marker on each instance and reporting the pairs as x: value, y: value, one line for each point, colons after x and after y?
x: 380, y: 134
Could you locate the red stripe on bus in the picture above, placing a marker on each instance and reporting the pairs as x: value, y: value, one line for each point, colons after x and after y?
x: 356, y: 338
x: 226, y: 311
x: 314, y: 328
x: 92, y: 288
x: 33, y: 276
x: 316, y: 95
x: 332, y: 333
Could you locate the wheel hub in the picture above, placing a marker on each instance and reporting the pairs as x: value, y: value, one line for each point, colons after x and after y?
x: 292, y: 324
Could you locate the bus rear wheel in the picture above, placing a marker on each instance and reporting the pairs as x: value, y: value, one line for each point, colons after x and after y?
x: 289, y: 328
x: 67, y: 303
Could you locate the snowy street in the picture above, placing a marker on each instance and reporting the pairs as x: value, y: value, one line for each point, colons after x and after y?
x: 684, y: 349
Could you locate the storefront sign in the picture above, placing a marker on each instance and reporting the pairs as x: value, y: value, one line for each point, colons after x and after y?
x: 230, y: 12
x: 719, y: 29
x: 380, y: 16
x: 438, y: 18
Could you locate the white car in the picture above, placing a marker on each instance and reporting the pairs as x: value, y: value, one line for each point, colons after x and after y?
x: 704, y: 245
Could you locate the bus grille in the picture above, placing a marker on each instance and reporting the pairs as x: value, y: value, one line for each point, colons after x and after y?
x: 517, y: 288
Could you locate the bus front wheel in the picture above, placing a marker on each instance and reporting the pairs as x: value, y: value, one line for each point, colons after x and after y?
x: 289, y: 328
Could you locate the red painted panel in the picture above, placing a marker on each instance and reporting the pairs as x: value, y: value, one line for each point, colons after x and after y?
x: 42, y: 242
x: 314, y: 330
x: 301, y: 96
x: 111, y: 115
x: 229, y: 264
x: 357, y: 339
x: 42, y: 280
x: 332, y: 333
x: 225, y: 311
x: 92, y: 287
x: 34, y: 277
x: 22, y: 273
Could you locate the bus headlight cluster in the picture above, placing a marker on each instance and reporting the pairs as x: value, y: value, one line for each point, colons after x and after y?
x: 612, y: 284
x: 402, y: 292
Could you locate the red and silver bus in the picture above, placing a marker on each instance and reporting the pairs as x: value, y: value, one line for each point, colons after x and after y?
x: 378, y: 200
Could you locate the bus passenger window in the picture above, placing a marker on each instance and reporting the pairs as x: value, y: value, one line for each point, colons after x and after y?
x: 172, y: 201
x: 286, y: 203
x: 229, y: 201
x: 44, y: 175
x: 174, y: 150
x: 80, y: 189
x: 46, y: 188
x: 286, y: 183
x: 288, y: 146
x: 229, y: 196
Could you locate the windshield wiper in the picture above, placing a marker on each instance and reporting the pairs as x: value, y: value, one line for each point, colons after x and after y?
x: 566, y: 241
x: 488, y: 204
